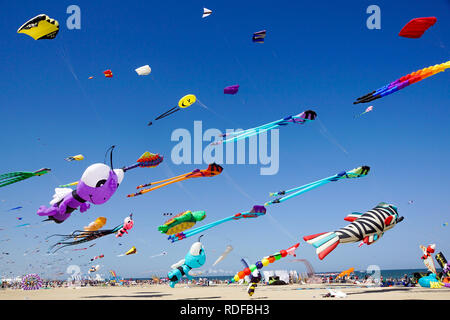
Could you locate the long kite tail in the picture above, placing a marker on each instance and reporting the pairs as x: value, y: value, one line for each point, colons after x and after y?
x: 323, y: 242
x: 167, y: 113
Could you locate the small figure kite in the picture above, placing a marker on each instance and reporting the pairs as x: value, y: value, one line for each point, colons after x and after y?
x: 428, y: 258
x: 259, y: 36
x: 98, y: 257
x: 96, y: 225
x: 85, y: 236
x: 144, y: 70
x: 78, y: 157
x: 403, y: 82
x: 184, y: 102
x: 368, y: 228
x: 97, y: 185
x: 133, y: 250
x: 254, y: 213
x: 108, y: 73
x: 346, y: 273
x: 354, y: 173
x: 367, y: 110
x: 231, y: 89
x: 147, y: 160
x: 206, y: 13
x: 40, y: 27
x: 223, y: 255
x: 195, y: 258
x: 13, y: 177
x: 181, y: 222
x: 212, y: 170
x: 300, y: 118
x: 417, y: 27
x: 264, y: 262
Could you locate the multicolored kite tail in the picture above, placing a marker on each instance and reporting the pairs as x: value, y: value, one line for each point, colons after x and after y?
x: 354, y: 173
x: 212, y: 170
x: 403, y: 82
x: 85, y: 235
x: 255, y: 212
x: 301, y: 118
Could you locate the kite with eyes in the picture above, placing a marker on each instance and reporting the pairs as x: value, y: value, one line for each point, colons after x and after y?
x: 97, y: 185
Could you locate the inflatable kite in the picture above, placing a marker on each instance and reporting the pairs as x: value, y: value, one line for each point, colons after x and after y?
x: 417, y: 27
x: 347, y: 272
x: 428, y: 258
x: 108, y: 73
x: 254, y: 277
x: 98, y: 257
x: 206, y: 13
x: 96, y: 225
x: 368, y: 228
x: 133, y: 250
x: 181, y: 222
x: 40, y: 27
x: 31, y: 282
x: 94, y: 268
x: 231, y: 89
x: 444, y: 264
x: 259, y: 36
x: 13, y: 177
x: 144, y: 70
x: 184, y: 102
x: 300, y: 118
x: 354, y: 173
x: 223, y: 255
x: 195, y: 258
x: 254, y: 213
x: 367, y: 110
x: 432, y: 281
x: 78, y: 157
x: 264, y: 262
x: 87, y: 236
x: 403, y: 82
x: 97, y: 185
x: 212, y: 170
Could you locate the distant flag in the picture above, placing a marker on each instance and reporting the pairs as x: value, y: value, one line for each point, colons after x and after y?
x: 206, y: 12
x: 259, y: 36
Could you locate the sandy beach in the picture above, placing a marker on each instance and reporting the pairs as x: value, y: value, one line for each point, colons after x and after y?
x: 230, y: 292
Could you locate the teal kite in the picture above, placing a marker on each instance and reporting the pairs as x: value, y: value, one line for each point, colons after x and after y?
x: 354, y: 173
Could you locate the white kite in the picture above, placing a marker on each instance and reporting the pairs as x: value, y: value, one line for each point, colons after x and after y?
x: 224, y: 254
x: 144, y: 70
x: 206, y: 12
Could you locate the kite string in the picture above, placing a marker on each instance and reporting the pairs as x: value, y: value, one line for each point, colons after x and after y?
x: 325, y: 133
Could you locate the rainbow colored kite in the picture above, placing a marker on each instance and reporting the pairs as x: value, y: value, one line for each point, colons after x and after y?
x: 403, y: 82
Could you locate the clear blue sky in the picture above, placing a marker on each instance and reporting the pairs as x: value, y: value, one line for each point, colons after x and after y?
x: 317, y: 55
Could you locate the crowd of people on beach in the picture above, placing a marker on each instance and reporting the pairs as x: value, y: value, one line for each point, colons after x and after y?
x: 352, y: 279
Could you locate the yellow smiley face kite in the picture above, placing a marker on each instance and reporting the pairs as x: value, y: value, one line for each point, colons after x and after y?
x: 186, y: 101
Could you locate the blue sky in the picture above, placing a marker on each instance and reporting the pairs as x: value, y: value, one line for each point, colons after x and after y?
x: 318, y: 56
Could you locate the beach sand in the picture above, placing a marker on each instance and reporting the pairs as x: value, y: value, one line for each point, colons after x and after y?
x: 227, y: 292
